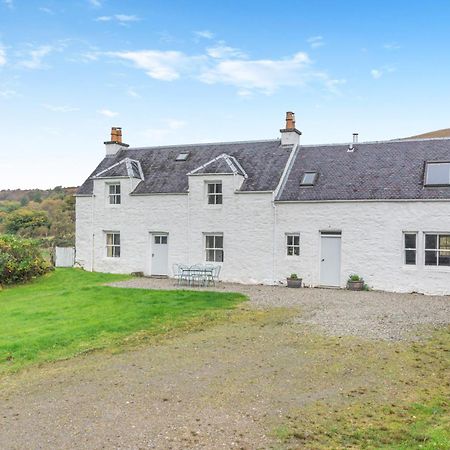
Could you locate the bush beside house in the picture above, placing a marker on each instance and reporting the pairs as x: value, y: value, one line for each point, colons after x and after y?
x: 20, y: 260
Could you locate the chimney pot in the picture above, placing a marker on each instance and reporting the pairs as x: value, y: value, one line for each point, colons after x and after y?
x: 290, y: 120
x: 355, y: 138
x: 116, y: 135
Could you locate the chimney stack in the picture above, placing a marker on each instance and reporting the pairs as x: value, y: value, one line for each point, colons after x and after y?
x: 116, y: 135
x: 355, y: 138
x: 115, y: 144
x: 290, y: 135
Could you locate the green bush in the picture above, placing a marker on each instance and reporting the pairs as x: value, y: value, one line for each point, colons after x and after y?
x: 20, y: 260
x: 354, y: 277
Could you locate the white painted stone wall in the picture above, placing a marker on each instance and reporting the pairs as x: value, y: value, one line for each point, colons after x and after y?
x: 254, y: 235
x: 246, y: 221
x: 372, y: 242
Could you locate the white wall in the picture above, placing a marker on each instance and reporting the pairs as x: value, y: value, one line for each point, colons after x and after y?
x: 254, y: 235
x: 372, y: 244
x: 244, y: 219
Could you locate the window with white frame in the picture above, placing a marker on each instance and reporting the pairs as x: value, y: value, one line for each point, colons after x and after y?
x: 113, y: 244
x: 293, y: 244
x: 114, y: 193
x: 410, y: 249
x: 214, y: 247
x: 437, y: 249
x: 214, y: 192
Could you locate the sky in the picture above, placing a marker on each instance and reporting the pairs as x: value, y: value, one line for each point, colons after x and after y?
x: 211, y: 71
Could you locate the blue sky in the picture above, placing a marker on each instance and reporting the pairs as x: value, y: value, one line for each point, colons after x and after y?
x: 201, y: 71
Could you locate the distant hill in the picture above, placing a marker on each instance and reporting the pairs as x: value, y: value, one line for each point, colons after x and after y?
x: 445, y: 132
x: 35, y: 194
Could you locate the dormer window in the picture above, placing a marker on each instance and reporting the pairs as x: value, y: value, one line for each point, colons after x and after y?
x: 183, y: 156
x: 308, y: 179
x: 214, y: 192
x: 114, y: 194
x: 437, y: 174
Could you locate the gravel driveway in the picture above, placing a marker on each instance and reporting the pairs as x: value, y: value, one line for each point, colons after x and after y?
x: 372, y: 315
x: 226, y: 386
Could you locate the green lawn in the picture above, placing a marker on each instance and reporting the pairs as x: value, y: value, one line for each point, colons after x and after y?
x: 69, y: 311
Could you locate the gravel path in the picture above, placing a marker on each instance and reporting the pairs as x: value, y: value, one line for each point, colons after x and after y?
x: 372, y: 315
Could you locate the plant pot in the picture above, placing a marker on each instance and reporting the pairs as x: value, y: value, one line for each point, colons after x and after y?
x: 294, y: 282
x: 355, y: 285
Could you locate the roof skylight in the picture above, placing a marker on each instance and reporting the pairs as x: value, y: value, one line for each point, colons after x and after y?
x: 183, y: 156
x: 437, y: 174
x: 308, y: 179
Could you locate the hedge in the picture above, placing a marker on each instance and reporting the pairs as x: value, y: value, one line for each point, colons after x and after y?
x: 20, y: 260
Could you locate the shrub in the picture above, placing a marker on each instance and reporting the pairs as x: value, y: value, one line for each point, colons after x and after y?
x: 20, y: 260
x: 293, y: 276
x: 354, y: 277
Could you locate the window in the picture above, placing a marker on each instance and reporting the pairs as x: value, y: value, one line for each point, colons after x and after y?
x: 293, y: 244
x: 114, y: 194
x: 410, y: 248
x: 161, y: 239
x: 113, y: 245
x: 214, y: 247
x: 214, y: 193
x: 437, y: 174
x: 183, y: 156
x: 308, y: 179
x: 437, y: 249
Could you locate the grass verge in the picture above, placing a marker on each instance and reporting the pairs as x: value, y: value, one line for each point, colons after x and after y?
x: 70, y: 312
x: 408, y: 408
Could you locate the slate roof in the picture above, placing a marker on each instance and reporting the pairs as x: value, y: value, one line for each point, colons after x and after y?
x: 385, y: 170
x: 375, y: 171
x: 262, y: 161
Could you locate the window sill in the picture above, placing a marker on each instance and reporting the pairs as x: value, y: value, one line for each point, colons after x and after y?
x: 442, y: 269
x: 409, y: 267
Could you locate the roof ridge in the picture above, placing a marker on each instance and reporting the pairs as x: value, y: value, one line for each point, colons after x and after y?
x: 201, y: 144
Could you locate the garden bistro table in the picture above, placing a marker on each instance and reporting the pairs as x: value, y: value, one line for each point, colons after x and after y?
x: 197, y: 275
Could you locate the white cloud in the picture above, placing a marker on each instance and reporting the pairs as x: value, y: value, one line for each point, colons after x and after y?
x: 161, y: 65
x: 120, y: 18
x: 205, y: 34
x: 8, y: 3
x: 225, y: 65
x: 7, y: 93
x: 2, y: 56
x: 36, y: 56
x: 168, y: 128
x: 315, y: 41
x: 264, y: 75
x: 95, y: 3
x: 392, y: 46
x: 222, y: 51
x: 107, y: 112
x: 61, y: 109
x: 376, y: 73
x: 132, y: 93
x: 46, y: 10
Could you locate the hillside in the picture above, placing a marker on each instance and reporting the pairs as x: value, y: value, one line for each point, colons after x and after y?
x: 445, y: 132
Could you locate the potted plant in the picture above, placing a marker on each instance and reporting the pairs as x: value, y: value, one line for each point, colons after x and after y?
x: 355, y: 283
x: 294, y: 281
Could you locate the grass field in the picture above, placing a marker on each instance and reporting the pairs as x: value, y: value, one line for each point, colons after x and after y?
x: 69, y: 311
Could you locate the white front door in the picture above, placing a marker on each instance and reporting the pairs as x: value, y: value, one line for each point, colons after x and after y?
x: 159, y: 262
x: 330, y: 259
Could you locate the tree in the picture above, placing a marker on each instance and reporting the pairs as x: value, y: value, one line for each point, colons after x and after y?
x: 27, y: 222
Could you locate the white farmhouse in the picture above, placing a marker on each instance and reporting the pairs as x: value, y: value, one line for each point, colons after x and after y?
x: 266, y: 209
